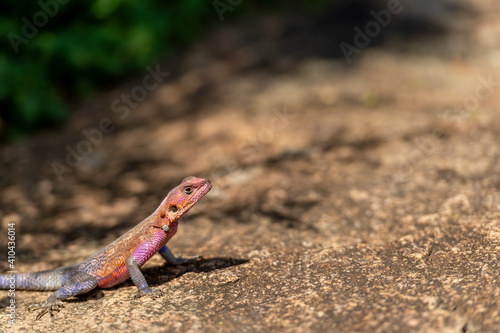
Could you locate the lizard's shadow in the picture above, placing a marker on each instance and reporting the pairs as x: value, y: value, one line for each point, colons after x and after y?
x: 157, y: 276
x: 160, y: 275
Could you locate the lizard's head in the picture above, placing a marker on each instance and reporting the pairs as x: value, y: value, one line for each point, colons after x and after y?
x: 180, y: 200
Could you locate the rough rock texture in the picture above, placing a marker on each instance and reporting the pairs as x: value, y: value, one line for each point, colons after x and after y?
x: 347, y: 198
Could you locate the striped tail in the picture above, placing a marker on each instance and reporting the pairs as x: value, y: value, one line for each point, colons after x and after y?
x: 45, y: 280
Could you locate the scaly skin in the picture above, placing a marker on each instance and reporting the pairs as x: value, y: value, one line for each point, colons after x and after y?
x: 121, y: 259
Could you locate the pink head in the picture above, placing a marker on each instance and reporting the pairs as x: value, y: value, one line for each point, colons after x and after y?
x: 180, y: 200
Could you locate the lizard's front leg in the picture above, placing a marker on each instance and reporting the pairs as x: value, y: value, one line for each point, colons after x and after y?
x: 139, y: 279
x: 75, y: 283
x: 171, y: 259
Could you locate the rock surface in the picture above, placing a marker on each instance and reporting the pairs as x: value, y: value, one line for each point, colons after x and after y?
x: 347, y: 198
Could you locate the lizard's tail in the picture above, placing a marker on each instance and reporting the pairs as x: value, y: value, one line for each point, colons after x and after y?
x: 45, y: 280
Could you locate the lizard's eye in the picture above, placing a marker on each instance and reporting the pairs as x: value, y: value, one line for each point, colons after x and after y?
x: 174, y: 209
x: 188, y: 190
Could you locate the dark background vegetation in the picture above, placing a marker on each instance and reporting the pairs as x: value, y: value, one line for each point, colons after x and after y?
x: 85, y: 46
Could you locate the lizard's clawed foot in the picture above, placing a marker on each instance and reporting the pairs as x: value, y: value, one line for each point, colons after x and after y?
x: 47, y: 307
x: 181, y: 260
x: 154, y: 293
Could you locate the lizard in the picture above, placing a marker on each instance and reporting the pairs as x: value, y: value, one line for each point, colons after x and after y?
x: 119, y: 260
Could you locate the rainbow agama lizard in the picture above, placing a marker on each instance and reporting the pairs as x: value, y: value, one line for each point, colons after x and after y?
x: 121, y: 259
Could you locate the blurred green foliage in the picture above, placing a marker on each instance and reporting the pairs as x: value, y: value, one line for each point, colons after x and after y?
x: 56, y: 51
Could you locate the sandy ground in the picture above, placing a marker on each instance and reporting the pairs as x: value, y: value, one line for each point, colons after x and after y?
x: 357, y: 197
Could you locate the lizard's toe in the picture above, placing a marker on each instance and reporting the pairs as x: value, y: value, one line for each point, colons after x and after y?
x: 196, y: 257
x: 180, y: 260
x: 47, y: 307
x: 34, y: 307
x: 154, y: 293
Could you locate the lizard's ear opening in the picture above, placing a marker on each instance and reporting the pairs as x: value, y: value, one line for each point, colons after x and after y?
x: 157, y: 223
x: 161, y: 221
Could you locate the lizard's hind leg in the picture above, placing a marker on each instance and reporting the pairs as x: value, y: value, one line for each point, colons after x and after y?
x: 74, y: 283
